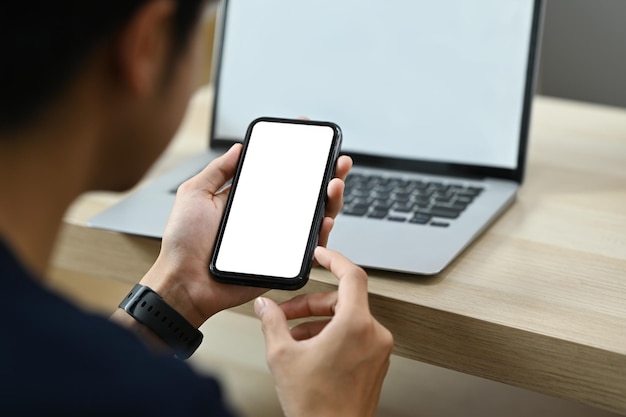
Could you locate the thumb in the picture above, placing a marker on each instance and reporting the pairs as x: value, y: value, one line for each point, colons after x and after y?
x: 220, y: 170
x: 273, y: 320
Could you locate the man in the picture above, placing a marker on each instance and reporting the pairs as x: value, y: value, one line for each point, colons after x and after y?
x: 90, y: 94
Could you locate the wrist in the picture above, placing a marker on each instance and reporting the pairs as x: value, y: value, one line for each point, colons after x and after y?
x: 173, y: 285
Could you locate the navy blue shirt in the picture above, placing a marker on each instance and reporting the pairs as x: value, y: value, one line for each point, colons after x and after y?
x: 58, y: 360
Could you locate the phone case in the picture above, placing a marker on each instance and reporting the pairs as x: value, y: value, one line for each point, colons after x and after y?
x: 265, y: 281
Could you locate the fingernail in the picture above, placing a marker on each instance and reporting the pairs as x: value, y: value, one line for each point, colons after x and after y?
x: 259, y: 306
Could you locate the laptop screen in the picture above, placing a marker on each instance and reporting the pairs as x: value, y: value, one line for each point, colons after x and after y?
x: 441, y: 81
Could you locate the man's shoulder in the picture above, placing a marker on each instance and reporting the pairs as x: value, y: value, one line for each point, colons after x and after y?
x: 56, y: 358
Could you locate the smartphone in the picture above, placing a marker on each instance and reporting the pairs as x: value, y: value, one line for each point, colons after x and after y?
x: 275, y: 208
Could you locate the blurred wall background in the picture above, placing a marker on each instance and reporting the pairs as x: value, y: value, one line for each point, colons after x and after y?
x: 583, y: 54
x: 584, y: 51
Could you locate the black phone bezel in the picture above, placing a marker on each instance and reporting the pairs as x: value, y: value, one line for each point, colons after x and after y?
x: 273, y: 282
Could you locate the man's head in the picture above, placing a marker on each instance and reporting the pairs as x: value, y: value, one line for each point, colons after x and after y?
x: 136, y: 58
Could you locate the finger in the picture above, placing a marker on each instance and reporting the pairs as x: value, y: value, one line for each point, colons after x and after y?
x: 334, y: 202
x: 343, y: 167
x: 274, y: 323
x: 302, y: 118
x: 336, y: 186
x: 352, y: 279
x: 310, y: 305
x: 220, y: 170
x: 309, y: 329
x: 327, y: 227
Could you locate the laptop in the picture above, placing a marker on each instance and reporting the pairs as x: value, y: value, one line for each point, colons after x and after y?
x: 434, y: 100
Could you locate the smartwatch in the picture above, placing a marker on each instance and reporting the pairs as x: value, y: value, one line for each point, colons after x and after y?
x: 149, y: 308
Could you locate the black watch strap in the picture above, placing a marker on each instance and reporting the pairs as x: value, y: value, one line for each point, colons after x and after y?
x: 152, y: 311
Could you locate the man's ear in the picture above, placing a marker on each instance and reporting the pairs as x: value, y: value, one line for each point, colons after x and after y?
x: 143, y: 46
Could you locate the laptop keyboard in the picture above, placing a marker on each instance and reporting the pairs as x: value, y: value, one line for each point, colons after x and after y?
x: 420, y: 202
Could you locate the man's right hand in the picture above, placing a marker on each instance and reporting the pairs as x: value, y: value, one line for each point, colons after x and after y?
x: 332, y: 367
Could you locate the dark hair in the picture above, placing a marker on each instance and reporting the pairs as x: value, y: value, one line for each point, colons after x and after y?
x: 43, y: 43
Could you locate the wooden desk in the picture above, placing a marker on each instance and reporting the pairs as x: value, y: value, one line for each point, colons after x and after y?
x: 539, y: 301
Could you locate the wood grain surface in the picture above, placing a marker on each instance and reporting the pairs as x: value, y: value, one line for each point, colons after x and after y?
x: 538, y: 301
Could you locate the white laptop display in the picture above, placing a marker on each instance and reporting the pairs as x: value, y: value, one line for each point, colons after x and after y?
x: 433, y: 99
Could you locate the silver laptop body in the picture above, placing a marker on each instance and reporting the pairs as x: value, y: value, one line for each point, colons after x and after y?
x: 428, y: 94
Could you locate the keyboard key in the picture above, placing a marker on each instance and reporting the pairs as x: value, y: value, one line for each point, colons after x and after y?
x: 401, y: 198
x: 360, y: 192
x: 464, y: 200
x: 422, y: 201
x: 381, y: 194
x: 445, y: 213
x: 408, y: 189
x: 425, y: 193
x: 377, y: 214
x: 420, y: 219
x: 382, y: 188
x: 440, y: 224
x: 401, y: 194
x: 356, y: 210
x: 458, y: 206
x: 366, y: 201
x: 420, y: 189
x: 470, y: 192
x: 445, y: 207
x: 403, y: 207
x: 381, y: 205
x: 396, y: 218
x: 443, y: 198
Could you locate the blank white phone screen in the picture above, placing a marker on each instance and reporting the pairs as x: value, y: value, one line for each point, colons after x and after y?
x: 274, y: 203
